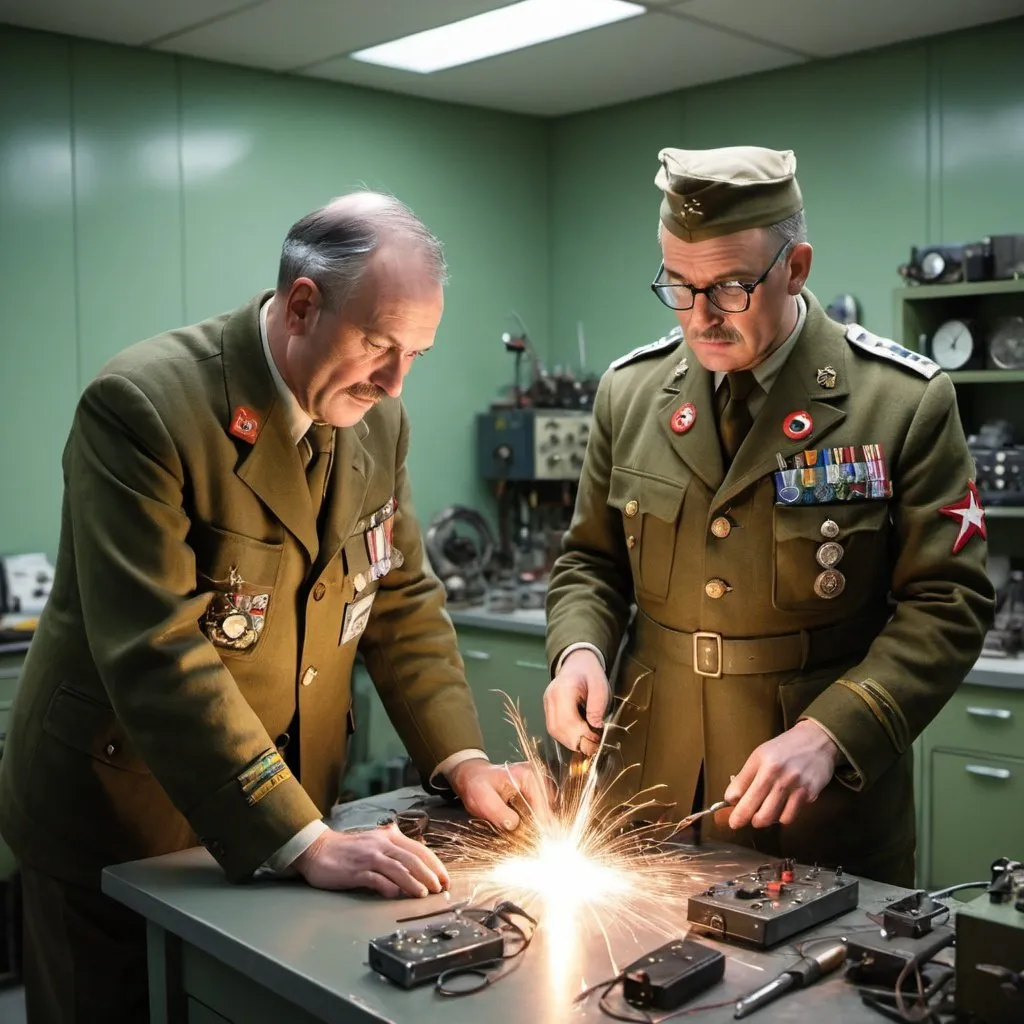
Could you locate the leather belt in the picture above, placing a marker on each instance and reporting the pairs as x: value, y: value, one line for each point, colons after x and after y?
x: 711, y: 654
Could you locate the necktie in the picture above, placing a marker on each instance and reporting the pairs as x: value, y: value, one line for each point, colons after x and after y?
x: 317, y: 449
x: 734, y: 419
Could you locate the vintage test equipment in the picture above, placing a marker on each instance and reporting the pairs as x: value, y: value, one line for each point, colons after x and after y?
x: 998, y: 463
x: 672, y: 974
x: 773, y: 903
x: 990, y: 949
x: 411, y: 957
x: 531, y: 444
x: 993, y: 258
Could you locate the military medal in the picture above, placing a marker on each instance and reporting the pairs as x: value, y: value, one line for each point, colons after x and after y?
x: 829, y: 554
x: 830, y: 583
x: 236, y: 613
x: 378, y: 540
x: 797, y: 425
x: 683, y: 418
x: 680, y: 371
x: 830, y: 529
x: 826, y: 377
x: 245, y: 424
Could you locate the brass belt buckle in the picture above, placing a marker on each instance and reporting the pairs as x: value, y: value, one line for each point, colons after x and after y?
x: 705, y: 665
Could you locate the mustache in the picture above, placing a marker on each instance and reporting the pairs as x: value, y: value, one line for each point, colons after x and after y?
x: 367, y: 392
x: 719, y: 334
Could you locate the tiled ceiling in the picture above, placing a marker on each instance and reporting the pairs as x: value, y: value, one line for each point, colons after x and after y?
x: 675, y: 44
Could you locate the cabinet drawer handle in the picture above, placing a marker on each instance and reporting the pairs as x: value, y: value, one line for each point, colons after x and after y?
x: 539, y: 665
x: 1003, y: 713
x: 989, y: 773
x: 476, y: 655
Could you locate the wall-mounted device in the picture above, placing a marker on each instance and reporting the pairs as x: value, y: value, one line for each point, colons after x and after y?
x: 531, y: 444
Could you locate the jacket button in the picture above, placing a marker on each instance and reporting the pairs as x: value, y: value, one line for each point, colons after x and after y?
x: 716, y: 588
x: 631, y: 542
x: 318, y: 592
x: 632, y: 507
x: 111, y: 749
x: 308, y: 676
x: 721, y: 527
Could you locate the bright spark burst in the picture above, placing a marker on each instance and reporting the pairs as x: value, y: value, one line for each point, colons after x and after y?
x: 581, y: 864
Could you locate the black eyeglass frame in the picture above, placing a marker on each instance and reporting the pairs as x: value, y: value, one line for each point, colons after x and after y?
x: 657, y: 286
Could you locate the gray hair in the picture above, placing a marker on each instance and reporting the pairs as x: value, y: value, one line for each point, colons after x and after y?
x: 792, y: 229
x: 333, y: 245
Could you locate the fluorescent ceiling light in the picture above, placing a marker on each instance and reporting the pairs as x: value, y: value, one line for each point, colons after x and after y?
x: 486, y: 35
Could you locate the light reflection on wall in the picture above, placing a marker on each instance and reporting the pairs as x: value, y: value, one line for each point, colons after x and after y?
x: 202, y: 155
x: 35, y: 169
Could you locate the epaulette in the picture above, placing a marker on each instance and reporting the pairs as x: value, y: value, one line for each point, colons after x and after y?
x: 661, y: 345
x: 891, y: 350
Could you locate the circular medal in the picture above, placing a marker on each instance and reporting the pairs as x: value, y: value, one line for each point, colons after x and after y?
x: 830, y: 583
x: 829, y: 555
x: 797, y: 425
x: 824, y: 493
x: 830, y: 529
x: 790, y: 495
x: 683, y: 418
x: 233, y: 626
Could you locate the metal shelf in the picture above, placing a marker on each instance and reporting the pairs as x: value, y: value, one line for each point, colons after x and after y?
x: 986, y: 376
x: 1004, y: 511
x: 926, y: 292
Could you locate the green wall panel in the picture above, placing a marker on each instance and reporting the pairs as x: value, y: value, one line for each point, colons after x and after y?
x: 980, y: 101
x: 604, y: 228
x: 127, y: 199
x: 38, y: 351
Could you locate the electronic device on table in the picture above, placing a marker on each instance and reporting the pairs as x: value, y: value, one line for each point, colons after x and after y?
x: 772, y: 903
x: 412, y: 956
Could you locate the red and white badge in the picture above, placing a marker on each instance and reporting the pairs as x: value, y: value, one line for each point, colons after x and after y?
x: 797, y: 425
x: 971, y: 514
x: 245, y: 424
x: 683, y: 418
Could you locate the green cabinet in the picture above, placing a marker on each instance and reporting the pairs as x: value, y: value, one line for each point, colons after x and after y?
x: 972, y: 785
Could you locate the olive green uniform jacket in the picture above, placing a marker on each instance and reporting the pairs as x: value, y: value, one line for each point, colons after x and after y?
x: 132, y: 733
x: 872, y: 664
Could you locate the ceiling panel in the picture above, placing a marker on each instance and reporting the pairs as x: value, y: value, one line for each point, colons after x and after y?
x: 289, y: 34
x: 644, y: 56
x: 827, y: 28
x: 132, y: 22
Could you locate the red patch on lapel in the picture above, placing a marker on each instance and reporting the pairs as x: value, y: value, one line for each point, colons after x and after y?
x: 245, y: 424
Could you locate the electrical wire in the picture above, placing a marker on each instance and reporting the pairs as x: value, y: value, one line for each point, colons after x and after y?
x: 956, y: 888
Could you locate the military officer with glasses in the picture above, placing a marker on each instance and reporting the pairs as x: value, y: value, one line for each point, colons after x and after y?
x: 777, y: 552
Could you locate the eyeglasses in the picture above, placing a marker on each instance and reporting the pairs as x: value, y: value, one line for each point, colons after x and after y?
x: 728, y: 296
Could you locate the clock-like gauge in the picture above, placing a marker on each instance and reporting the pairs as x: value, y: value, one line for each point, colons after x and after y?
x: 953, y: 344
x: 1006, y: 344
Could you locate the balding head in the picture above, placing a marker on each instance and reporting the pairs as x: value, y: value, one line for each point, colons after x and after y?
x: 333, y: 246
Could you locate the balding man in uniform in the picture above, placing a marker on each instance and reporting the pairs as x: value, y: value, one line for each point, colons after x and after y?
x: 237, y: 522
x: 790, y: 506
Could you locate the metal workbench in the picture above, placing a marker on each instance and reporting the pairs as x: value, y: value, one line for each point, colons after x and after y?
x: 276, y: 950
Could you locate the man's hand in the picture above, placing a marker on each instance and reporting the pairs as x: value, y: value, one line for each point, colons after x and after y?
x: 485, y: 790
x: 581, y: 683
x: 782, y: 775
x: 382, y: 859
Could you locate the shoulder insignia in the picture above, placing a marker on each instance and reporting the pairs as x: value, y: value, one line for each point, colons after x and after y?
x: 661, y: 345
x: 891, y: 350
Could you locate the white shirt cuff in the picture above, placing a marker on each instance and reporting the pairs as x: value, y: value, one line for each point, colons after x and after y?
x: 452, y: 760
x: 282, y: 859
x: 579, y: 647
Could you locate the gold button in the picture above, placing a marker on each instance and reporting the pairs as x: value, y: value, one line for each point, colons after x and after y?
x: 716, y: 588
x: 829, y: 529
x: 721, y: 527
x: 631, y: 542
x: 111, y: 750
x: 308, y: 676
x: 318, y: 592
x: 830, y: 583
x: 829, y: 555
x: 632, y: 507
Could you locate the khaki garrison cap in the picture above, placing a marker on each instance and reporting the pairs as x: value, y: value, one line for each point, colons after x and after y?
x: 712, y: 192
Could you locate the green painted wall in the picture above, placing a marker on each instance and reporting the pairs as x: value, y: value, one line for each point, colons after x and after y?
x: 911, y: 144
x: 140, y: 191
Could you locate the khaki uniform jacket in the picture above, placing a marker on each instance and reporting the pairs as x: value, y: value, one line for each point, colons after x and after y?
x: 872, y: 664
x: 132, y: 733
